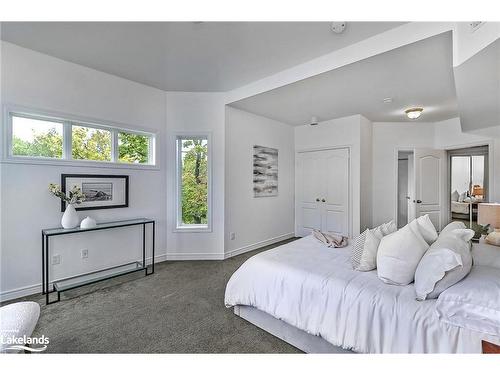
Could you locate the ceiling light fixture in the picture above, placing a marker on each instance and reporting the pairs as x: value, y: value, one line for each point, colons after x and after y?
x: 414, y: 113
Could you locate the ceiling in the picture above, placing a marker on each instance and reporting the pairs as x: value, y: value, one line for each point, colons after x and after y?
x: 418, y: 74
x: 478, y: 91
x: 188, y: 56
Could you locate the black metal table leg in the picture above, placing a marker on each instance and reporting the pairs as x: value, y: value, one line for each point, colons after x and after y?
x: 144, y: 248
x: 43, y: 263
x: 153, y: 257
x: 47, y: 270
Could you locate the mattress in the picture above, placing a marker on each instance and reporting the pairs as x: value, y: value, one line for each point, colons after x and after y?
x: 314, y: 288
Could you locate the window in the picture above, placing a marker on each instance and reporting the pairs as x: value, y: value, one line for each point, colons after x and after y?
x: 193, y: 172
x: 35, y: 136
x: 133, y: 148
x: 90, y: 143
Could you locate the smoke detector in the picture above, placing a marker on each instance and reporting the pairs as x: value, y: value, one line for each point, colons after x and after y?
x: 475, y: 25
x: 314, y: 121
x: 338, y: 27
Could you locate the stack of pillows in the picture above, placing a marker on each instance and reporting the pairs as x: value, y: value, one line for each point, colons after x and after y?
x: 416, y: 253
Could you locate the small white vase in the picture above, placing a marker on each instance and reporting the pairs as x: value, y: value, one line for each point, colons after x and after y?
x: 88, y: 223
x: 70, y: 218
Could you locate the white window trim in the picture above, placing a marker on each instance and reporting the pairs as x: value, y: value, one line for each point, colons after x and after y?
x: 68, y: 120
x: 192, y: 228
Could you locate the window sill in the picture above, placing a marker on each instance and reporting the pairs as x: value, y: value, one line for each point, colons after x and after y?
x: 193, y: 229
x: 77, y: 163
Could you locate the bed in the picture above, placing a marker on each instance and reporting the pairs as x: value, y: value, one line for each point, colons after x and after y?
x: 309, y: 295
x: 460, y: 207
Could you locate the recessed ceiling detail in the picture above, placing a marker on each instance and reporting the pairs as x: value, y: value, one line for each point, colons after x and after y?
x: 419, y: 73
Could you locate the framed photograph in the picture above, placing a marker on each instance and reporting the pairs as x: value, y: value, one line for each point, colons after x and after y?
x: 265, y: 171
x: 101, y: 191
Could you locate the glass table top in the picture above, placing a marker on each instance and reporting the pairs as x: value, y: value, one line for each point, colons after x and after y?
x: 109, y: 224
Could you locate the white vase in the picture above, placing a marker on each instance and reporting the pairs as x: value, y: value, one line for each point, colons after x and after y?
x: 88, y: 223
x: 70, y: 218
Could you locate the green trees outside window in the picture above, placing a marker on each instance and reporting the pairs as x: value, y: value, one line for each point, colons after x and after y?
x: 32, y: 137
x: 44, y: 138
x: 133, y: 148
x: 194, y: 181
x: 90, y: 143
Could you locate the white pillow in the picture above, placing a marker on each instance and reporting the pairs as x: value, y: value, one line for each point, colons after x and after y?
x: 451, y: 226
x: 473, y: 303
x: 424, y: 225
x: 368, y: 259
x: 399, y: 254
x: 357, y: 249
x: 462, y: 196
x: 455, y: 196
x: 388, y: 228
x: 447, y: 261
x: 364, y: 253
x: 484, y: 254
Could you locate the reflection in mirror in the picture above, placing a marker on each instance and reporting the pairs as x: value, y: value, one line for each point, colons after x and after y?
x: 468, y: 183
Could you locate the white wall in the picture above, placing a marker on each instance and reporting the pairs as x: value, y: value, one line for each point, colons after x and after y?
x: 340, y: 132
x: 366, y: 173
x: 256, y: 221
x: 35, y: 80
x: 387, y: 139
x: 194, y: 113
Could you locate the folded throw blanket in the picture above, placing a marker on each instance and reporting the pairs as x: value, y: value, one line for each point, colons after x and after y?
x: 330, y: 240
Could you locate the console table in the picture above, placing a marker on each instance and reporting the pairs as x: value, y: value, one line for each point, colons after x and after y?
x: 96, y: 276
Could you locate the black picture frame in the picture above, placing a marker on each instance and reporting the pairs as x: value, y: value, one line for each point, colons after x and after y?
x: 63, y: 188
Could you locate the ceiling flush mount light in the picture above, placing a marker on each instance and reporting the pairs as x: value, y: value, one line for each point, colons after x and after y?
x: 414, y: 113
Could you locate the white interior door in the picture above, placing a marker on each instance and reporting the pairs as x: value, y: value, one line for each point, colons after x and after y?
x: 411, y: 187
x: 322, y: 199
x: 309, y: 190
x: 430, y: 185
x: 335, y: 200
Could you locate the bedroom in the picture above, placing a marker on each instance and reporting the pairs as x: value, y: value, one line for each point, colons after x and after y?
x: 150, y: 170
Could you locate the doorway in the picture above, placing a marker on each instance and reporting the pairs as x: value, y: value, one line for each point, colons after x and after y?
x: 468, y: 181
x: 405, y: 188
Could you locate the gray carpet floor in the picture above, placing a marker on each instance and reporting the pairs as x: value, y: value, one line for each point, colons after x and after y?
x: 178, y: 309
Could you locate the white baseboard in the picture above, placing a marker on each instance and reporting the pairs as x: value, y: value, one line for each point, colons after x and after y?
x: 37, y: 288
x: 195, y: 256
x: 254, y: 246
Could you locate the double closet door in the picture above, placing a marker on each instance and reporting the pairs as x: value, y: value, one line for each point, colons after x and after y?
x: 322, y: 195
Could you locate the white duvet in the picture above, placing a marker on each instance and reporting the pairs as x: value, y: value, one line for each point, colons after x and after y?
x: 314, y: 288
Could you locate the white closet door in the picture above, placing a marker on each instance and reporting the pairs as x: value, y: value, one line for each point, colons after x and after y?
x: 323, y: 192
x: 430, y: 185
x: 336, y: 197
x: 309, y: 190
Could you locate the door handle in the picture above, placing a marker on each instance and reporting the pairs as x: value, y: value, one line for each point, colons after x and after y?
x: 323, y: 200
x: 408, y: 198
x: 419, y: 201
x: 317, y: 199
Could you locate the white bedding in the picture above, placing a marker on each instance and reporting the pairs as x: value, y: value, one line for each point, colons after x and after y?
x: 460, y: 207
x: 314, y: 288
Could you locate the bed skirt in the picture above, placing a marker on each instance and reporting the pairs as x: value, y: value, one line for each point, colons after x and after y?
x: 296, y: 337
